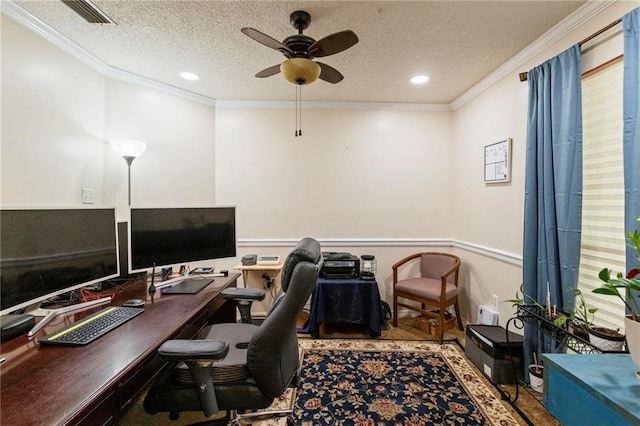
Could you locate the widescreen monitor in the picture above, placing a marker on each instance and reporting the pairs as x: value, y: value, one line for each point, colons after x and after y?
x: 49, y: 251
x: 166, y: 237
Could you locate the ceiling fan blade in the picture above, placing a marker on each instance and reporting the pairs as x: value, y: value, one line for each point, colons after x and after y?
x: 268, y: 72
x: 262, y: 38
x: 332, y: 44
x: 329, y: 74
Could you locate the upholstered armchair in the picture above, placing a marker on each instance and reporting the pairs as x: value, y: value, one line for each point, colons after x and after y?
x: 240, y: 367
x: 435, y: 287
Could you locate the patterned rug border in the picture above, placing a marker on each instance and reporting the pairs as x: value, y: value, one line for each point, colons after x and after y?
x: 493, y: 408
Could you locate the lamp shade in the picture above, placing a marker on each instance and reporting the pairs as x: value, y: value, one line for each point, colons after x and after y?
x: 128, y: 147
x: 300, y: 70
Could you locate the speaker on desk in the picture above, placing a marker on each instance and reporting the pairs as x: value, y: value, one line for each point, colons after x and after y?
x: 15, y: 325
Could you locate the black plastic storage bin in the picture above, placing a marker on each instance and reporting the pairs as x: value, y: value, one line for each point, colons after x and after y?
x: 486, y: 346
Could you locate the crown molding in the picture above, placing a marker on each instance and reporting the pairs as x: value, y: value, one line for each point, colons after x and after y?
x: 45, y: 31
x: 560, y: 30
x: 154, y: 84
x: 20, y: 15
x: 378, y: 106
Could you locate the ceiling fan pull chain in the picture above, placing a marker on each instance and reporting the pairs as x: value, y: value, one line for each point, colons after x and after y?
x: 300, y: 111
x: 296, y: 112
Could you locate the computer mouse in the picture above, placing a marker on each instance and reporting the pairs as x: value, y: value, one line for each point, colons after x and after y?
x: 134, y: 303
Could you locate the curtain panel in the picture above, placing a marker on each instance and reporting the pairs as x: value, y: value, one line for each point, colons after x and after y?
x: 553, y: 186
x: 631, y: 128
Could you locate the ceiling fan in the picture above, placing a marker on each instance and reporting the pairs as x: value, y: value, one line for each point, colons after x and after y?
x: 300, y: 49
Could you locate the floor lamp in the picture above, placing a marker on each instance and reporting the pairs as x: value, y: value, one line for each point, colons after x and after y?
x: 129, y: 150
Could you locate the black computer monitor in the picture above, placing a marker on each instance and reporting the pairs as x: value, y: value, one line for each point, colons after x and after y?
x: 49, y: 251
x: 166, y: 237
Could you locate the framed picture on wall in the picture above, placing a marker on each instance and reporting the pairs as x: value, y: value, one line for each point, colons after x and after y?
x: 497, y: 162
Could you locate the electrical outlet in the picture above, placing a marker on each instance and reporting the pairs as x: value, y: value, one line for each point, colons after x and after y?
x: 495, y: 301
x: 88, y: 195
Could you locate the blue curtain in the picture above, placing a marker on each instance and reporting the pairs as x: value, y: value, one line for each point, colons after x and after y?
x: 553, y: 186
x: 631, y: 133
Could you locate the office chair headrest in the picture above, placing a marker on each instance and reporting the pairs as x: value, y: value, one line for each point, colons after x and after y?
x: 307, y: 250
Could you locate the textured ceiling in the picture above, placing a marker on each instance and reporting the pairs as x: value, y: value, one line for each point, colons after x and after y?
x: 455, y: 43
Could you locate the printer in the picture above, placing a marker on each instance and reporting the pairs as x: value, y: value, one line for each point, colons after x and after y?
x: 340, y: 265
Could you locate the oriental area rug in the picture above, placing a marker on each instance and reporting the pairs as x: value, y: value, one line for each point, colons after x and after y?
x: 373, y: 382
x: 378, y: 382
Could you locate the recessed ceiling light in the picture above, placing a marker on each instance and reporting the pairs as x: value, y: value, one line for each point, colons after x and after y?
x: 419, y: 79
x: 189, y: 76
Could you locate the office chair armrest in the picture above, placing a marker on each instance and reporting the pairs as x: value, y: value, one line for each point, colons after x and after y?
x: 243, y: 294
x: 193, y: 350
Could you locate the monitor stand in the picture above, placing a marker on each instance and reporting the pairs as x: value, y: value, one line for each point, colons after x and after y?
x: 52, y: 313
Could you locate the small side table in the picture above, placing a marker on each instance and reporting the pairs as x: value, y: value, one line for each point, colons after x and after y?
x: 352, y: 301
x: 252, y: 278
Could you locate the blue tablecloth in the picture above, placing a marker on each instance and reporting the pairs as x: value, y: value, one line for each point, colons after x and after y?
x: 352, y: 301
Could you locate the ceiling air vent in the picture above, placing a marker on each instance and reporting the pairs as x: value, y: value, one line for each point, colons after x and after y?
x: 88, y: 11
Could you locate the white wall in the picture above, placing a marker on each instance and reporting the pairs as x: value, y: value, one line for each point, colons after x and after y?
x: 353, y: 173
x: 492, y: 215
x: 376, y: 176
x: 178, y: 167
x: 52, y: 122
x: 59, y: 115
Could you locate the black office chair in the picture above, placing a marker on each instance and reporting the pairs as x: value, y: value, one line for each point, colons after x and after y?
x: 240, y: 366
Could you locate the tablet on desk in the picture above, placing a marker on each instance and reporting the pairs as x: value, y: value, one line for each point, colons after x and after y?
x: 187, y: 286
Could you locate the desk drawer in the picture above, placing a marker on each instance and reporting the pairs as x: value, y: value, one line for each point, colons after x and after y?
x: 101, y: 414
x: 129, y: 389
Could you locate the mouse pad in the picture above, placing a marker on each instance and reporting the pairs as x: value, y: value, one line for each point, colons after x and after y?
x: 188, y: 286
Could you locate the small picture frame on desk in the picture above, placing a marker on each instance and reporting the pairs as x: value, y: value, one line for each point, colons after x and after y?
x: 497, y: 162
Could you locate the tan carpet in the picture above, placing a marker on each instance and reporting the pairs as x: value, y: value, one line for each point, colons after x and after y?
x: 408, y: 329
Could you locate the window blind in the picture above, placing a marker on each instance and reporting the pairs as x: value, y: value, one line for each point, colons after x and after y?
x: 603, y: 240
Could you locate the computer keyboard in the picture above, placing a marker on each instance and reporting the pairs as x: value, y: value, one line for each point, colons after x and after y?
x: 90, y: 328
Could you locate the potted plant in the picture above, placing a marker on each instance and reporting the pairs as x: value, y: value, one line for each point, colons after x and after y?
x: 629, y: 284
x: 549, y: 313
x: 606, y: 339
x: 536, y: 375
x: 580, y: 320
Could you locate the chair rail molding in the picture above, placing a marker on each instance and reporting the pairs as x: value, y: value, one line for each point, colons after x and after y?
x: 512, y: 258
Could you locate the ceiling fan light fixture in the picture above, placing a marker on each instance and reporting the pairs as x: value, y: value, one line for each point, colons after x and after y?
x: 300, y: 70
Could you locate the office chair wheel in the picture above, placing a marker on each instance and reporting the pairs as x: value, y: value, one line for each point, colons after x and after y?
x: 174, y: 416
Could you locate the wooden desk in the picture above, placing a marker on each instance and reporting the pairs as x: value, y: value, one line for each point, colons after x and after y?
x: 260, y: 309
x: 93, y: 384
